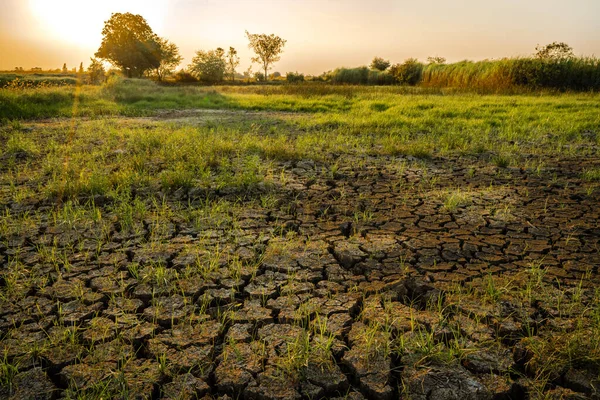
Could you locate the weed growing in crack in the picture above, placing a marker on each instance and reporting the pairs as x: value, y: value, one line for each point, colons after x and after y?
x: 591, y: 175
x: 455, y: 199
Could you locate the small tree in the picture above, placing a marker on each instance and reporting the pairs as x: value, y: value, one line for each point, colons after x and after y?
x: 554, y: 51
x: 65, y: 70
x: 232, y: 62
x: 409, y: 72
x: 436, y: 60
x: 209, y: 66
x: 96, y: 71
x: 169, y: 58
x: 379, y: 64
x: 80, y: 68
x: 267, y: 48
x: 248, y: 74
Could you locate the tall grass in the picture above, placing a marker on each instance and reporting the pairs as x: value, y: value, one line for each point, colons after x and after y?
x: 579, y: 74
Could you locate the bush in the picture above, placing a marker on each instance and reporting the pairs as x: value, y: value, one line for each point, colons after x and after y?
x: 294, y: 77
x: 409, y: 72
x: 185, y: 77
x: 361, y: 76
x: 96, y: 72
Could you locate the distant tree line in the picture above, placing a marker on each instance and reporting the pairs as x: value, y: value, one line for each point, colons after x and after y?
x: 553, y: 66
x: 129, y: 44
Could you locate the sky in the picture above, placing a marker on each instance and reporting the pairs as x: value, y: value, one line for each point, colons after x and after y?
x: 321, y: 34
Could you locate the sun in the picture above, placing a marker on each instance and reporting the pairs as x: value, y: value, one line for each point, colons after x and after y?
x: 80, y: 23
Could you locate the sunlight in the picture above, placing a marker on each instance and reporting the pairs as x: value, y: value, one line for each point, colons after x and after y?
x: 80, y: 23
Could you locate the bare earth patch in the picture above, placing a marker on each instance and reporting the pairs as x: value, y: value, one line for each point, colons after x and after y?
x: 374, y: 276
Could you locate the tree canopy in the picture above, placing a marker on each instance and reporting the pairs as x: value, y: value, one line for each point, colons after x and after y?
x: 209, y: 66
x: 232, y: 62
x: 554, y: 51
x: 267, y: 48
x: 129, y: 43
x: 169, y: 58
x: 436, y: 60
x: 379, y: 64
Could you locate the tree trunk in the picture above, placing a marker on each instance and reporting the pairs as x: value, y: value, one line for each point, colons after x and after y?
x: 266, y: 69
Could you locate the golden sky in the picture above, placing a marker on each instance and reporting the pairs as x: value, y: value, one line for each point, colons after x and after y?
x: 321, y: 35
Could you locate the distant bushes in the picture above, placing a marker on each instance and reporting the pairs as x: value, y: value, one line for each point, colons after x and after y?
x: 294, y: 77
x: 562, y: 74
x: 17, y: 81
x: 409, y: 72
x: 360, y: 76
x: 566, y: 73
x: 184, y: 77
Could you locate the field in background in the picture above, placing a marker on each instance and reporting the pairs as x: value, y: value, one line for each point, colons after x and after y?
x: 298, y: 241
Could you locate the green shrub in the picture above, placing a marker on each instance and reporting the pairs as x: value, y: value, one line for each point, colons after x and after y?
x: 361, y: 76
x: 409, y: 72
x: 294, y: 77
x: 185, y: 77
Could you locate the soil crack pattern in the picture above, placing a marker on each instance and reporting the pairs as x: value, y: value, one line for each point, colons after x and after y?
x: 381, y: 277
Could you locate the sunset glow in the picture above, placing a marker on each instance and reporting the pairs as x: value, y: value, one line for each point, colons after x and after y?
x: 74, y: 22
x: 321, y: 35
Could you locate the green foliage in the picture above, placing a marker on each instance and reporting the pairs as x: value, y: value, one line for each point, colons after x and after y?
x: 169, y: 59
x: 294, y: 77
x: 379, y: 64
x: 554, y: 51
x: 360, y: 76
x: 436, y: 60
x: 510, y: 73
x: 267, y: 49
x: 184, y: 76
x: 96, y: 72
x: 129, y: 43
x: 409, y: 72
x: 209, y: 66
x: 591, y: 175
x: 31, y: 81
x: 232, y: 63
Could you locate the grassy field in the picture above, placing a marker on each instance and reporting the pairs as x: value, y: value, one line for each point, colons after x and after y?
x: 298, y: 241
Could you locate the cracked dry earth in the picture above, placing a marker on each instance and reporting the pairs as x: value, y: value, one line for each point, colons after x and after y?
x: 354, y: 283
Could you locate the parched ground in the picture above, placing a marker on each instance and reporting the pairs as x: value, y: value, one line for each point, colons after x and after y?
x: 355, y: 276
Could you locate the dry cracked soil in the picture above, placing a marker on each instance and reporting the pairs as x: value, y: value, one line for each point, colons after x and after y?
x: 343, y: 286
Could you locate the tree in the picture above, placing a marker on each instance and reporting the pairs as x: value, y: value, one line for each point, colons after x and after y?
x: 409, y: 72
x: 80, y: 68
x: 65, y: 69
x: 267, y: 48
x: 129, y: 43
x: 436, y: 60
x: 554, y: 51
x: 379, y: 64
x: 169, y: 58
x: 232, y: 62
x: 96, y: 71
x: 248, y: 73
x: 209, y: 66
